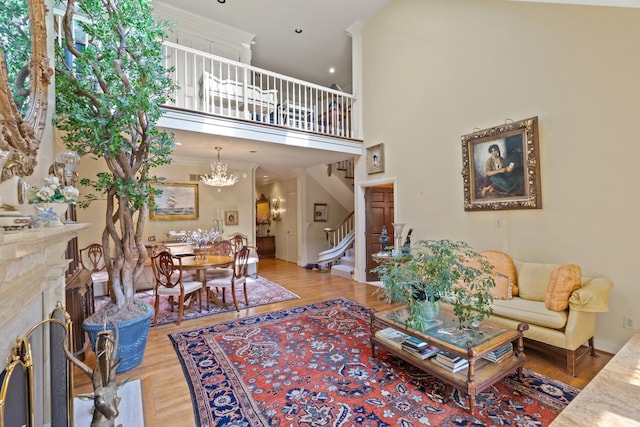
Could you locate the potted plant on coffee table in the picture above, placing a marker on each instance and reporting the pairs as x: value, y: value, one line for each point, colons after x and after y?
x: 108, y: 100
x: 434, y: 271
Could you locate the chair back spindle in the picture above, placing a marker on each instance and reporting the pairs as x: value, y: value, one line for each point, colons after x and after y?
x: 92, y: 258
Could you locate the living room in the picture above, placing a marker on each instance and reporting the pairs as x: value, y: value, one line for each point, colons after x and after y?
x: 462, y: 66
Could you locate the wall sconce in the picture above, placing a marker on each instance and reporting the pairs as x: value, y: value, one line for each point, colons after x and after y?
x: 275, y: 209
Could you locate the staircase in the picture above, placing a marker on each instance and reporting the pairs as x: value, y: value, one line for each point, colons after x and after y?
x: 347, y: 167
x: 347, y: 265
x: 339, y: 258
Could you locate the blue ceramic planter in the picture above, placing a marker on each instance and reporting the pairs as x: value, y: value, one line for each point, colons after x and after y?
x: 133, y: 339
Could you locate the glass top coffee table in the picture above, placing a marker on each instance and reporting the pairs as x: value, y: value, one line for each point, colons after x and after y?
x: 477, y: 345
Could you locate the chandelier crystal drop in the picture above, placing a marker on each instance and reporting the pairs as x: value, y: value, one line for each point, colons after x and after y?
x: 219, y: 176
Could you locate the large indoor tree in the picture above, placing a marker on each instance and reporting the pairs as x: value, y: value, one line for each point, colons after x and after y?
x: 108, y: 97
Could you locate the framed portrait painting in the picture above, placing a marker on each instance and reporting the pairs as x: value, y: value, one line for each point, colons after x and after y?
x: 230, y: 217
x: 375, y: 159
x: 176, y: 201
x: 501, y: 167
x: 320, y: 212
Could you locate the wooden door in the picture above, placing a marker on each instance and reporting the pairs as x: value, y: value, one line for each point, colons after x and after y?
x: 379, y: 205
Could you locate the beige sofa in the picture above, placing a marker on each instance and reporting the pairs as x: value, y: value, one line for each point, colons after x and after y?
x: 539, y: 286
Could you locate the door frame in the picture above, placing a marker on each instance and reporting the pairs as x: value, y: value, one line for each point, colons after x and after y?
x: 359, y: 273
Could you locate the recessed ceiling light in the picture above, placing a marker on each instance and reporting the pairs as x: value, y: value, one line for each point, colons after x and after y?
x: 332, y: 70
x: 178, y: 143
x: 298, y: 30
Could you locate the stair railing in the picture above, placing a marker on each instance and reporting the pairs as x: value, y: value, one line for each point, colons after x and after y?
x: 335, y: 235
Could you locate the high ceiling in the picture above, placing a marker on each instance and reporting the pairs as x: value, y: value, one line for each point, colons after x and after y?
x: 276, y: 161
x: 322, y: 44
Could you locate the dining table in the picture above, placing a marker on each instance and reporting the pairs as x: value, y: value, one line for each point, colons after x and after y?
x: 200, y: 264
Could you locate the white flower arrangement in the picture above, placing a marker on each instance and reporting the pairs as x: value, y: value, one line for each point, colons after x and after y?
x: 201, y: 237
x: 51, y: 192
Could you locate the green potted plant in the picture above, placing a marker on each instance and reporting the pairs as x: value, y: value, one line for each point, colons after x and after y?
x: 434, y: 271
x: 108, y: 99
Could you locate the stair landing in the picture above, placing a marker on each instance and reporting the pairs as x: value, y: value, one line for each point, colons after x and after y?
x: 342, y: 270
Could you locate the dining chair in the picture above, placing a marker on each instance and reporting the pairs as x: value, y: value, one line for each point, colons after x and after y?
x: 220, y: 248
x: 237, y: 277
x: 239, y: 240
x: 92, y: 259
x: 169, y: 282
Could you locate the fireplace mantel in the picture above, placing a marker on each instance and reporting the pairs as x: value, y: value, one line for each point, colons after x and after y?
x: 32, y: 277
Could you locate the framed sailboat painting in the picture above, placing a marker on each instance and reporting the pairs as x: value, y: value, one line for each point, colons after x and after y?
x: 175, y: 201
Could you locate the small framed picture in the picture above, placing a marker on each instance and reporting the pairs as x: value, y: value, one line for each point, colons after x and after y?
x: 375, y: 159
x: 230, y: 217
x: 320, y: 212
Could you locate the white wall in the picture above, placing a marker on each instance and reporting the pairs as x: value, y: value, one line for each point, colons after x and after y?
x: 438, y: 69
x: 206, y: 35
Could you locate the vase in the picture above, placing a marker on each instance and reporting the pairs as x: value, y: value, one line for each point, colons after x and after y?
x: 397, y: 236
x: 59, y: 210
x: 132, y: 338
x: 425, y: 313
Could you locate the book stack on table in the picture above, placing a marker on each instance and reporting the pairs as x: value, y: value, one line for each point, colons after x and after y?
x: 499, y: 354
x: 418, y: 348
x: 450, y: 361
x: 392, y: 337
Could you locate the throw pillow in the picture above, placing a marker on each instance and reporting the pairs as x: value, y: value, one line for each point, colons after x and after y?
x: 564, y: 280
x: 507, y: 278
x: 533, y: 279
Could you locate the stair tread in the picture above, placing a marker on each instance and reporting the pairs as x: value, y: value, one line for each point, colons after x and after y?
x: 342, y: 267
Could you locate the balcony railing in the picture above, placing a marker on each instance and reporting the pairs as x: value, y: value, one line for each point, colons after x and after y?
x: 212, y: 84
x: 216, y: 85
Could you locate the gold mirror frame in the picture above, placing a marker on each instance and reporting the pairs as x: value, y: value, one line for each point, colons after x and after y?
x: 19, y: 135
x: 263, y: 210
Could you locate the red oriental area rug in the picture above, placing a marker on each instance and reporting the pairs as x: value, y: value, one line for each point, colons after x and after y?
x: 312, y: 366
x: 261, y: 292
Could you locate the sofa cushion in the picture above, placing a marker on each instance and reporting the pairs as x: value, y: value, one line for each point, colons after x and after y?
x: 507, y: 279
x: 533, y: 279
x: 531, y: 312
x: 564, y: 280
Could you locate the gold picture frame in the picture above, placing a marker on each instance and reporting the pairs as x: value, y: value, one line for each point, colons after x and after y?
x: 320, y: 212
x: 177, y: 201
x: 230, y: 217
x: 501, y: 167
x: 375, y: 159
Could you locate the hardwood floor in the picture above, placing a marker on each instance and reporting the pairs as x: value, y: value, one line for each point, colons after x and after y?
x: 166, y: 396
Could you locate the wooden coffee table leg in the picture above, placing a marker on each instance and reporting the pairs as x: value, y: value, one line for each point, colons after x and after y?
x: 520, y: 345
x: 471, y: 384
x: 372, y: 331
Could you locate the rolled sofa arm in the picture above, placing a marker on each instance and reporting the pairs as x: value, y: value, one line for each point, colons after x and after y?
x: 593, y: 296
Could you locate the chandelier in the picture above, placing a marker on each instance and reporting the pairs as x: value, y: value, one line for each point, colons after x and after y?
x: 219, y: 176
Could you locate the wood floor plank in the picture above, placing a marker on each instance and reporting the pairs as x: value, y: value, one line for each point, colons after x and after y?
x: 166, y: 396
